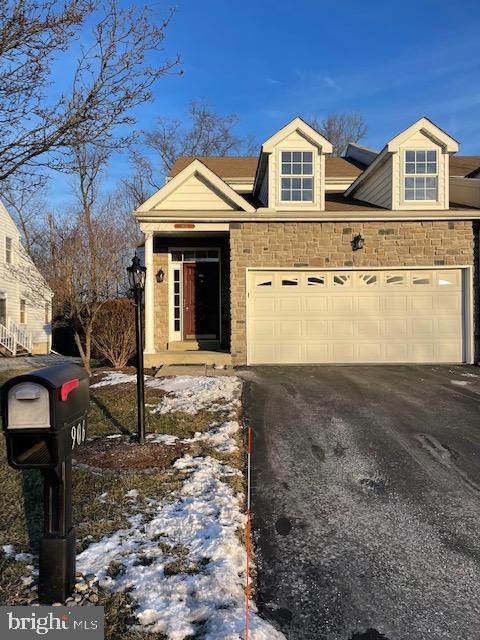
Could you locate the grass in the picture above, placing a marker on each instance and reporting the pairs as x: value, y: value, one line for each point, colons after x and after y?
x: 99, y: 503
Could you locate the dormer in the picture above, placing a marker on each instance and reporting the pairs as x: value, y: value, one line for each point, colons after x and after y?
x: 411, y: 172
x: 291, y: 169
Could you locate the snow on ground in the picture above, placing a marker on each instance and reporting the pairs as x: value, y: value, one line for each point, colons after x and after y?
x: 117, y: 377
x: 192, y: 393
x: 184, y: 563
x: 204, y: 518
x: 459, y: 383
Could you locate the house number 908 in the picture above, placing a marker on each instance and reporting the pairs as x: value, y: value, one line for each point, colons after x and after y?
x: 78, y: 433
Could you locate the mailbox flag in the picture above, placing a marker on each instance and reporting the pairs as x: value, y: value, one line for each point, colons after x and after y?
x: 67, y: 387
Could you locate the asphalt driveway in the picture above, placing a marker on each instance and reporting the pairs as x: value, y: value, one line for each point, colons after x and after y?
x: 366, y: 500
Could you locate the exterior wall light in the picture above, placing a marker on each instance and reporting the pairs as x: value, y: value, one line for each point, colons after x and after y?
x: 358, y: 242
x: 160, y: 276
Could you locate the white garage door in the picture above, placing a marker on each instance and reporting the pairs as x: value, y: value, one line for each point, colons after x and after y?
x: 355, y: 316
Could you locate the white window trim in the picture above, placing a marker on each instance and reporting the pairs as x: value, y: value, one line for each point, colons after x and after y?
x: 293, y: 203
x: 25, y: 321
x: 420, y: 175
x: 10, y: 250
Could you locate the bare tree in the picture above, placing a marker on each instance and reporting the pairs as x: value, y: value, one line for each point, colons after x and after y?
x: 203, y: 133
x: 114, y: 71
x: 26, y: 203
x: 84, y: 255
x: 340, y: 129
x: 114, y: 332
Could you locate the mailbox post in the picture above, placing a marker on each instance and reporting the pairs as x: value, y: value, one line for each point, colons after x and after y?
x: 44, y: 415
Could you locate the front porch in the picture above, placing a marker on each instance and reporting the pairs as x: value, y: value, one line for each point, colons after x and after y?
x: 187, y: 297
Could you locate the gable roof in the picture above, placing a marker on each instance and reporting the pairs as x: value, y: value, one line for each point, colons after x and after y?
x: 428, y: 128
x: 304, y: 129
x: 424, y: 125
x: 211, y: 179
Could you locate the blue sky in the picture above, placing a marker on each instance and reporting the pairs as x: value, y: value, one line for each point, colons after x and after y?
x: 271, y: 60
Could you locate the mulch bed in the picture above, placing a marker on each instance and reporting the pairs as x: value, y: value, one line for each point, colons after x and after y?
x: 119, y: 454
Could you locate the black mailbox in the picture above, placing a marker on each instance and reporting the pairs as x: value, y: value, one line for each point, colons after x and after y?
x: 44, y: 415
x: 44, y: 418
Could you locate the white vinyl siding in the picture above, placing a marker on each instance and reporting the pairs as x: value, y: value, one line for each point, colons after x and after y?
x: 357, y: 316
x: 378, y: 188
x: 195, y: 195
x: 21, y: 280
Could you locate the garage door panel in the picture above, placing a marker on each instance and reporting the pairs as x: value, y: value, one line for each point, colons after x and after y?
x: 289, y: 305
x: 289, y: 329
x: 316, y: 329
x: 370, y: 352
x: 396, y: 316
x: 422, y: 304
x: 316, y: 352
x: 395, y: 327
x: 368, y: 305
x: 369, y: 329
x: 291, y: 353
x: 264, y: 306
x: 341, y: 329
x: 341, y: 304
x: 396, y: 304
x: 449, y: 303
x: 422, y: 327
x: 315, y: 303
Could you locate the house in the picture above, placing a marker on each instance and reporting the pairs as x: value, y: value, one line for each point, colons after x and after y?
x: 25, y: 299
x: 297, y: 257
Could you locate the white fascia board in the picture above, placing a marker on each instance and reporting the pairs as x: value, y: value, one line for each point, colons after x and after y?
x: 271, y: 215
x: 428, y: 128
x: 196, y: 167
x: 297, y: 124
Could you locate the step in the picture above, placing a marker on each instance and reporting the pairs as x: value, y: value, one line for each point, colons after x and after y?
x: 194, y: 345
x: 187, y: 357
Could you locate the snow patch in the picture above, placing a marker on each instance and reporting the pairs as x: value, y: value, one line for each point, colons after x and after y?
x: 162, y: 438
x: 460, y: 383
x: 203, y: 519
x: 192, y: 393
x: 114, y: 378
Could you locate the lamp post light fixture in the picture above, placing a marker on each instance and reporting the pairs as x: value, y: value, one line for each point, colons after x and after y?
x: 136, y: 279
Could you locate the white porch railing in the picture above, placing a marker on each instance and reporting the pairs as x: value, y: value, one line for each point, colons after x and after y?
x: 23, y: 338
x: 7, y: 340
x: 13, y: 338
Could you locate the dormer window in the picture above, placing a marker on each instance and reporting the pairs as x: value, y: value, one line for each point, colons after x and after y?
x: 296, y: 176
x: 421, y: 175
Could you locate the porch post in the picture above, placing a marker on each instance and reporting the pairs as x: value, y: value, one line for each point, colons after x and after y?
x: 149, y: 295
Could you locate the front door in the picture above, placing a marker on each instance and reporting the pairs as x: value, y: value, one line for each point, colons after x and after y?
x: 3, y: 311
x: 201, y: 301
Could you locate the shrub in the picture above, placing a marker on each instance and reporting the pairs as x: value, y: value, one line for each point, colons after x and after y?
x: 114, y: 332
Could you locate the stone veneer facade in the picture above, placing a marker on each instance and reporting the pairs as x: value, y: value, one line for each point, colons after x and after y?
x: 327, y: 244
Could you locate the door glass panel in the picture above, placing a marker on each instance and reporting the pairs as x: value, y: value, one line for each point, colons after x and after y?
x: 289, y: 282
x: 316, y: 280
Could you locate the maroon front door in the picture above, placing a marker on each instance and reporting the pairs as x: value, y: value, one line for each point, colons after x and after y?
x: 201, y: 300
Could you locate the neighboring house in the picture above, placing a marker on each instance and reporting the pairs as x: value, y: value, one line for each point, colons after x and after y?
x: 299, y: 257
x: 25, y: 299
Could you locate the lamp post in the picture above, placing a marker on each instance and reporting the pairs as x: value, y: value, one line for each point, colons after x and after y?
x: 136, y: 279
